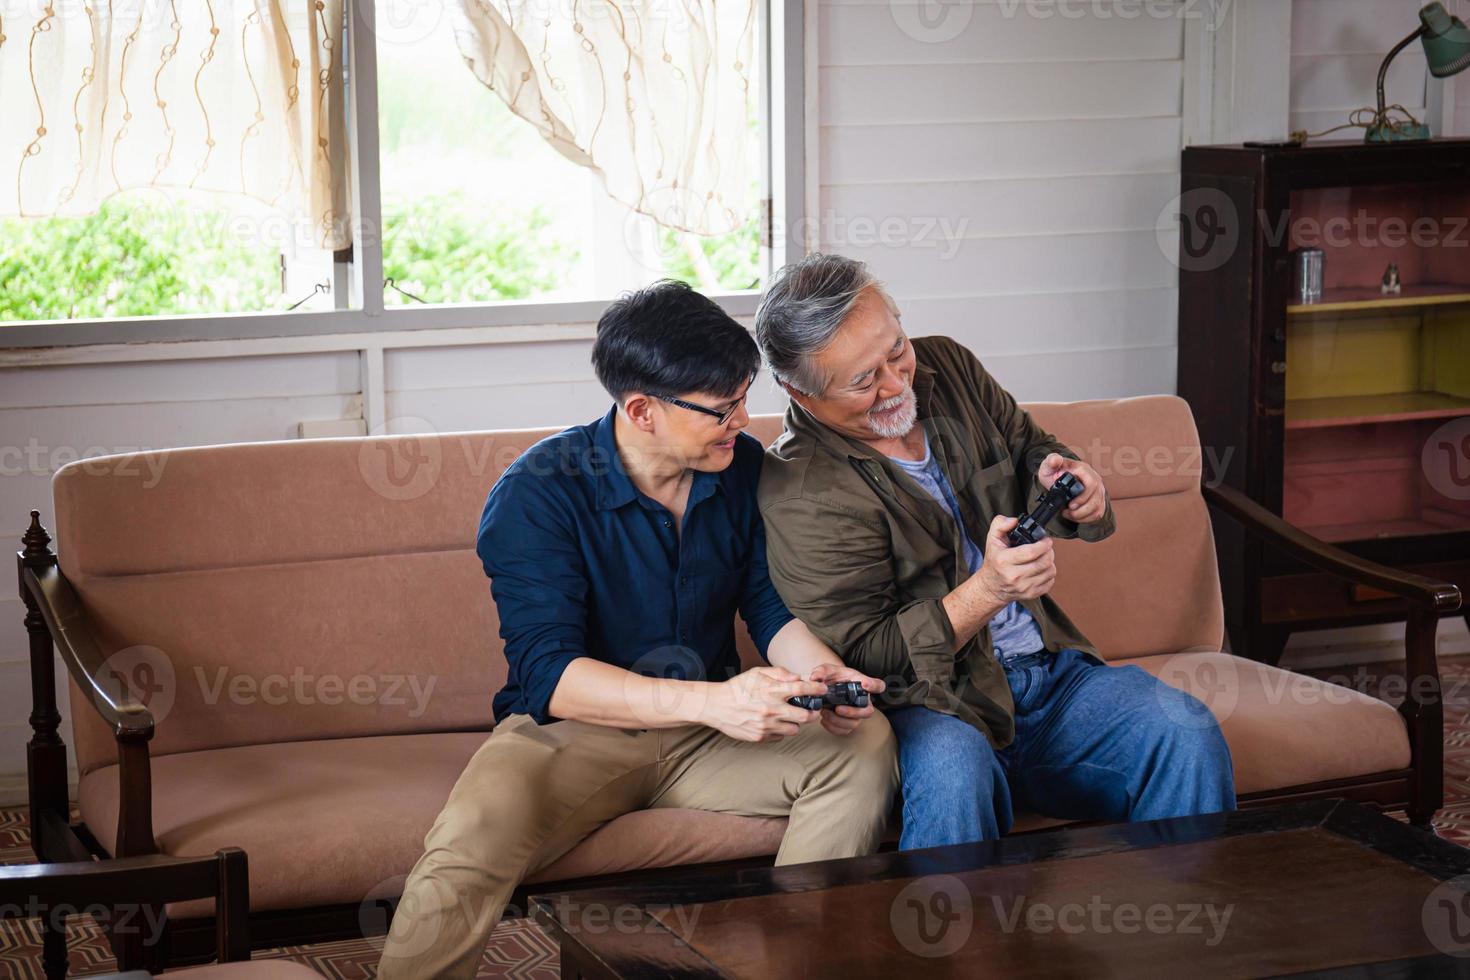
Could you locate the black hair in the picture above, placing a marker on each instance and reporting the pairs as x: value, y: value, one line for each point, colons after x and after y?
x: 667, y: 339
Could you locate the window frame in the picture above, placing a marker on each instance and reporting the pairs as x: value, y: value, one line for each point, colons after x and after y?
x: 783, y: 46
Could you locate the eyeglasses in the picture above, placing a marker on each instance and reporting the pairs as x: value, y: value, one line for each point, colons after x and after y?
x: 723, y: 417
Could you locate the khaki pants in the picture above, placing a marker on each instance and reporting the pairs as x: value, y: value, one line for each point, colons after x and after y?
x: 531, y: 793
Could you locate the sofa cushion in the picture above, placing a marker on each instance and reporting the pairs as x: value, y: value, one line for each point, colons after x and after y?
x: 1284, y: 728
x: 339, y: 820
x: 322, y: 824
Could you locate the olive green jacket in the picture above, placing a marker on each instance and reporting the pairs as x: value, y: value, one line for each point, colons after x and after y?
x: 864, y: 556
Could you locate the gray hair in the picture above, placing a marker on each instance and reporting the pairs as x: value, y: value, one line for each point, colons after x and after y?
x: 804, y: 306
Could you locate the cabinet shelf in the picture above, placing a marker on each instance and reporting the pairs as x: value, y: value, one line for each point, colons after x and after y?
x: 1408, y: 406
x: 1356, y: 298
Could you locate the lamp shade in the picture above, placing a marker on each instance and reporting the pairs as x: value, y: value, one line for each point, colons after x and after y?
x: 1446, y: 41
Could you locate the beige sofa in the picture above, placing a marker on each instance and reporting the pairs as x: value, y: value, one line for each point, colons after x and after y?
x: 315, y: 640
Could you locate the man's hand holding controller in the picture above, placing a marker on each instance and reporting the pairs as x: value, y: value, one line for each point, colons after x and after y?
x: 764, y: 704
x: 1020, y: 566
x: 1091, y: 504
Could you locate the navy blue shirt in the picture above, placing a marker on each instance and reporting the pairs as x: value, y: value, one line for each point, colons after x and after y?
x: 582, y: 564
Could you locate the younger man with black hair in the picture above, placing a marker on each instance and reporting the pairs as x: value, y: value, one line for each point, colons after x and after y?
x: 618, y: 554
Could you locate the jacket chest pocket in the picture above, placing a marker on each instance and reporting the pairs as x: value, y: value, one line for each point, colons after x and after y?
x: 994, y: 489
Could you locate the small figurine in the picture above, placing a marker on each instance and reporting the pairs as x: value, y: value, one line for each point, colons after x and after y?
x: 1391, y: 284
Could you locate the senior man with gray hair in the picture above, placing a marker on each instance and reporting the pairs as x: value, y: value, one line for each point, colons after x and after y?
x: 887, y: 505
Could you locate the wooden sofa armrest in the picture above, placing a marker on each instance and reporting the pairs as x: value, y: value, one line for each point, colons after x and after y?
x: 66, y: 621
x: 51, y: 890
x: 55, y: 619
x: 1438, y: 596
x: 1422, y: 708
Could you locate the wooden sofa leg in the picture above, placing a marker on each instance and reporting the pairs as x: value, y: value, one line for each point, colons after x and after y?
x: 1423, y: 712
x: 53, y: 946
x: 1423, y: 820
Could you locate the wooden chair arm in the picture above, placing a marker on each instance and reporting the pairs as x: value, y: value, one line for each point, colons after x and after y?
x: 67, y: 623
x: 137, y: 882
x: 1425, y: 592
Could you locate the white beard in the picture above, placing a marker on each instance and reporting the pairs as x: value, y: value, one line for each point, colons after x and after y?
x: 900, y: 424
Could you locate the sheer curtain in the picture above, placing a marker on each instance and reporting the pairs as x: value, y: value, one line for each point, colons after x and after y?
x: 653, y: 95
x: 229, y: 96
x: 246, y: 97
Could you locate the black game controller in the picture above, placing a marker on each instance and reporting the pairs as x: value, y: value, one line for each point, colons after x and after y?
x: 1032, y: 527
x: 850, y: 693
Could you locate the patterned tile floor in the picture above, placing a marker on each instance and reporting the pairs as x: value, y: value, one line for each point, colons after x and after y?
x: 519, y: 949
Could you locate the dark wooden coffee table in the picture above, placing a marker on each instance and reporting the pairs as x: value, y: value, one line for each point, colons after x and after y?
x: 1323, y: 888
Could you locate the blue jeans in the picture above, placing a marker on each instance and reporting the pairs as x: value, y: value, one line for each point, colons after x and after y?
x: 1092, y: 742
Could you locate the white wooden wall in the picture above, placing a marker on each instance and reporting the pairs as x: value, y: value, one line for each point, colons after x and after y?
x: 1049, y: 145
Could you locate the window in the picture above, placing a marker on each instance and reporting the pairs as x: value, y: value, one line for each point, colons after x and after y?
x: 450, y: 196
x: 478, y: 207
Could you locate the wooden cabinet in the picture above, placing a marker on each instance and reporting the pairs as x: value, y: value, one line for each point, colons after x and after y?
x: 1349, y: 416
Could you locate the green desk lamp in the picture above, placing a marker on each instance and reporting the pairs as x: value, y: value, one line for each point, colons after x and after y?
x: 1446, y: 47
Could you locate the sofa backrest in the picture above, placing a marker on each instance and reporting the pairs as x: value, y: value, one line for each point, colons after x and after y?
x: 329, y: 588
x: 289, y: 590
x: 1153, y: 586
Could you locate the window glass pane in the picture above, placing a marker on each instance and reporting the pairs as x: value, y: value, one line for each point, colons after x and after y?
x: 478, y: 207
x: 146, y: 253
